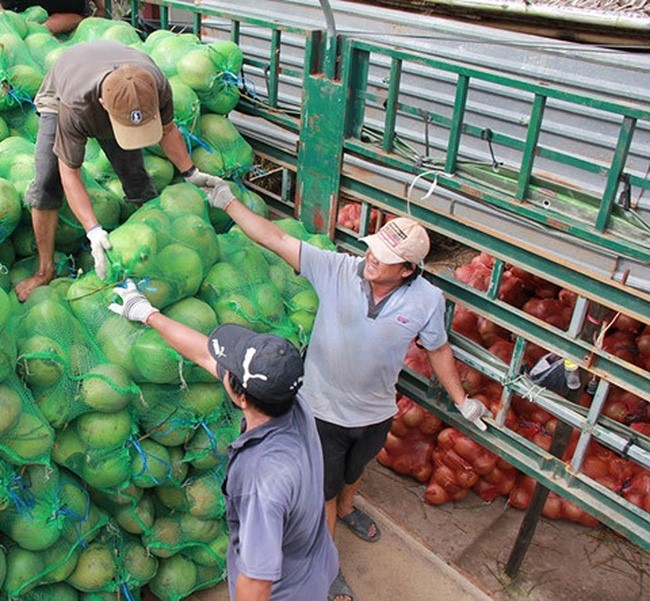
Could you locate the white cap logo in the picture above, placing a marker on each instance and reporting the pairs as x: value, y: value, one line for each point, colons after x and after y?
x: 248, y: 357
x: 135, y: 117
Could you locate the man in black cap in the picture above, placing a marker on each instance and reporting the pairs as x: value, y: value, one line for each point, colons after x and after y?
x: 280, y: 547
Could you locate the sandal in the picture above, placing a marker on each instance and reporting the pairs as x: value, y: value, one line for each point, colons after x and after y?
x: 339, y: 588
x: 361, y: 523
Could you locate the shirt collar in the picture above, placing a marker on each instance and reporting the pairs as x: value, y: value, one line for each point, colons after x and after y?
x: 256, y: 435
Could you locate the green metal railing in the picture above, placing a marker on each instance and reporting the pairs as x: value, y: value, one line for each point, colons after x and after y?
x: 345, y: 113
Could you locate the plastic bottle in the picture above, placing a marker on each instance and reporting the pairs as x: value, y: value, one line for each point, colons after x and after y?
x: 572, y: 373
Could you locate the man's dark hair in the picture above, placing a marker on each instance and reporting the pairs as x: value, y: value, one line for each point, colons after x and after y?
x: 271, y: 408
x: 414, y: 274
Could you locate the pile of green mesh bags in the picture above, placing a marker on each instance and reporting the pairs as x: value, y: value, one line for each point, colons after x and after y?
x: 113, y: 447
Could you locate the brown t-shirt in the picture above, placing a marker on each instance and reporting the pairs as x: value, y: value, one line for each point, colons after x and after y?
x: 72, y: 88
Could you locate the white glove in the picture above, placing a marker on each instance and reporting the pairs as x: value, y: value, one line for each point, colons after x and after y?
x: 221, y: 196
x: 99, y: 243
x: 135, y: 306
x: 473, y: 411
x: 200, y: 179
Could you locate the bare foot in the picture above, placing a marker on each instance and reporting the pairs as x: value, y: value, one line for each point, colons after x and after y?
x: 27, y: 286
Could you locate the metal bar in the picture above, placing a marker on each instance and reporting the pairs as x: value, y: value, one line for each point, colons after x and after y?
x: 616, y: 169
x: 595, y: 410
x: 495, y: 278
x: 196, y: 25
x: 578, y: 317
x: 529, y: 523
x: 474, y: 188
x: 460, y: 102
x: 631, y: 109
x: 274, y: 68
x: 391, y: 105
x: 164, y: 17
x: 532, y: 137
x: 235, y: 31
x: 356, y: 64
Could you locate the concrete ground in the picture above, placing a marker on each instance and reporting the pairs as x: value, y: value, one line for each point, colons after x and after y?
x: 456, y: 552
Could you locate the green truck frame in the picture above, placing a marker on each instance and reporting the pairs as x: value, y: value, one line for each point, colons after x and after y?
x: 344, y: 139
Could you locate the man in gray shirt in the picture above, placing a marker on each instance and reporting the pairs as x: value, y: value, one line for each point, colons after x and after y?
x: 280, y: 547
x: 370, y: 309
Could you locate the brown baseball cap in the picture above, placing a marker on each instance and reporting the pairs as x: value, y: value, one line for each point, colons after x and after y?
x: 398, y: 241
x: 130, y: 95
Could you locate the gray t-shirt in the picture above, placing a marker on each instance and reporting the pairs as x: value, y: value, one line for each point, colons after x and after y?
x: 72, y: 87
x: 275, y: 509
x: 354, y: 357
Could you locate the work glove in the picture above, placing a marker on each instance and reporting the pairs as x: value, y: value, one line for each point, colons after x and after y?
x: 220, y: 196
x: 99, y: 244
x: 135, y: 306
x: 473, y: 411
x: 200, y: 179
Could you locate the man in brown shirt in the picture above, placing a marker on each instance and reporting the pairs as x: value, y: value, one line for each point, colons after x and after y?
x: 116, y: 94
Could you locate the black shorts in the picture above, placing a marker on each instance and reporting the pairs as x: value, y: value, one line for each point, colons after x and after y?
x: 79, y: 7
x: 347, y: 451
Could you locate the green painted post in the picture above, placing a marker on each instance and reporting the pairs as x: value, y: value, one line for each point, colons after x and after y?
x: 532, y: 137
x: 356, y: 63
x: 274, y: 67
x: 391, y: 104
x: 321, y: 147
x: 456, y: 128
x: 196, y: 24
x: 615, y: 171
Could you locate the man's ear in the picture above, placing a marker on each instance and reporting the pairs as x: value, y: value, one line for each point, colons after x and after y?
x: 408, y: 271
x: 101, y: 101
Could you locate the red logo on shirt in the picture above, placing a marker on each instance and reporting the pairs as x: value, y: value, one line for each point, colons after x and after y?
x: 402, y: 319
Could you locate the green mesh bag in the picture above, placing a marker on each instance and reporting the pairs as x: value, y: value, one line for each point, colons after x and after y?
x: 171, y: 415
x: 132, y: 508
x: 53, y: 521
x: 175, y: 531
x: 25, y: 434
x: 57, y: 591
x: 239, y: 288
x: 22, y: 122
x: 40, y: 44
x: 10, y: 208
x: 187, y: 109
x: 167, y: 245
x: 166, y: 48
x: 20, y: 74
x: 98, y: 28
x: 224, y: 151
x: 223, y: 94
x: 9, y: 349
x: 114, y: 562
x: 70, y: 234
x: 178, y: 576
x: 17, y: 163
x: 61, y: 363
x: 31, y: 571
x: 102, y: 467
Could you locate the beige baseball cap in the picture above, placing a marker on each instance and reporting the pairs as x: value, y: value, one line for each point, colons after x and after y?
x: 130, y: 96
x: 398, y: 241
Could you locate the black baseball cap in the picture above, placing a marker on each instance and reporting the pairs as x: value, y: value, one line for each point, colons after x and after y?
x: 269, y: 367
